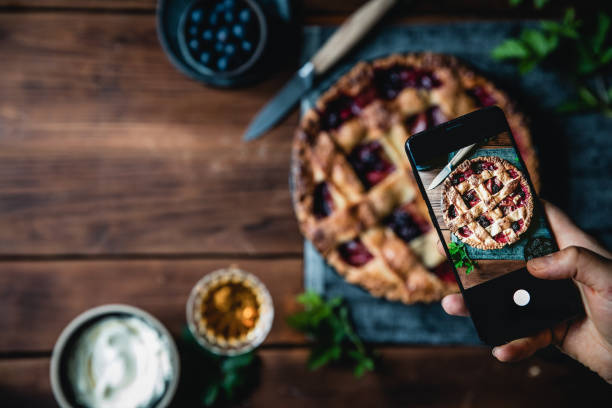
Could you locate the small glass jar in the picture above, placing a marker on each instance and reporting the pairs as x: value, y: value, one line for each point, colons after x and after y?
x: 230, y: 312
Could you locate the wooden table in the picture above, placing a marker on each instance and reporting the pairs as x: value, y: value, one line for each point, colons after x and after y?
x: 121, y: 180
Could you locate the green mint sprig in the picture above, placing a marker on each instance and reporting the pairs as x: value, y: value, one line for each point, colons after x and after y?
x: 209, y: 380
x: 334, y: 339
x: 460, y: 257
x: 582, y: 48
x: 536, y: 3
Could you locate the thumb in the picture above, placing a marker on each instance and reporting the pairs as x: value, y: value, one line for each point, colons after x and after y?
x: 580, y: 264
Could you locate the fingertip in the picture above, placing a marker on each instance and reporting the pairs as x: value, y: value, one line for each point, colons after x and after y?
x: 454, y: 305
x: 505, y: 353
x: 539, y: 267
x: 522, y: 348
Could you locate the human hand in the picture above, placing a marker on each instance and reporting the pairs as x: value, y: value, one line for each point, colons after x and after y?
x: 588, y: 339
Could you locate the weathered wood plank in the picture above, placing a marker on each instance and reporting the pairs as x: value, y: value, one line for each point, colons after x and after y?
x: 313, y: 7
x: 38, y: 299
x: 415, y: 377
x: 106, y: 148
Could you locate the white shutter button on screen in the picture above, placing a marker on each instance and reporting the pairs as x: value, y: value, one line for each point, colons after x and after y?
x: 521, y: 297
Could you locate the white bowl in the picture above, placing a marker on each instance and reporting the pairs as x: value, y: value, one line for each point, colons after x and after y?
x: 59, y: 381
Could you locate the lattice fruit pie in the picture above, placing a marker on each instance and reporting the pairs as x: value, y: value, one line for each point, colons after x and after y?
x: 354, y: 194
x: 487, y: 202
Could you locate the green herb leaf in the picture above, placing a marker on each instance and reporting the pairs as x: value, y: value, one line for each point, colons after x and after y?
x: 606, y: 56
x: 210, y: 395
x: 539, y: 3
x: 587, y: 44
x: 331, y: 331
x: 510, y: 48
x: 237, y: 362
x: 587, y: 96
x: 539, y: 43
x: 460, y: 257
x: 603, y: 26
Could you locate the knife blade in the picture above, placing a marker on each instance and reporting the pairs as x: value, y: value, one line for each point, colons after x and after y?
x: 449, y: 167
x: 282, y: 103
x: 343, y: 39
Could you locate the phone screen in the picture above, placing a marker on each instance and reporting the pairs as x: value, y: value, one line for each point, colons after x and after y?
x: 491, y: 223
x: 487, y: 209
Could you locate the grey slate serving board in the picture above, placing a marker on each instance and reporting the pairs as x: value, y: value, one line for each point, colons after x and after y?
x: 575, y: 153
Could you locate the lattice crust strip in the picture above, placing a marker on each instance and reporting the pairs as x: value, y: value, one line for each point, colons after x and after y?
x: 487, y: 202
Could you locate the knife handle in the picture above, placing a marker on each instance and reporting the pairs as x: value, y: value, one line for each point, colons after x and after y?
x: 351, y: 31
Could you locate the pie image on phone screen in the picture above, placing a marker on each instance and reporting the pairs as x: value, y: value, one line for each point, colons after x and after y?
x: 487, y: 209
x: 487, y: 202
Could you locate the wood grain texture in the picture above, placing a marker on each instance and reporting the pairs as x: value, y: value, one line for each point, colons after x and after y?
x: 417, y: 377
x: 38, y: 299
x: 106, y: 148
x: 319, y: 7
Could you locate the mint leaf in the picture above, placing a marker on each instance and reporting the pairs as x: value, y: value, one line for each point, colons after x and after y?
x: 606, y: 56
x: 603, y: 26
x: 572, y: 106
x: 510, y: 48
x: 539, y: 3
x: 210, y: 395
x: 328, y: 324
x: 587, y: 96
x: 539, y: 43
x: 460, y: 257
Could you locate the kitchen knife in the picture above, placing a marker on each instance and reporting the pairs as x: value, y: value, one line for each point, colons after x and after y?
x: 343, y: 39
x: 449, y: 167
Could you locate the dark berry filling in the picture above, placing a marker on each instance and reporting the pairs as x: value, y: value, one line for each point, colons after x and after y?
x: 452, y: 212
x: 522, y: 193
x: 336, y: 112
x: 481, y: 96
x: 354, y: 253
x: 471, y: 198
x: 464, y: 232
x: 390, y: 81
x: 457, y: 178
x: 517, y: 225
x: 493, y: 185
x: 323, y: 204
x: 424, y: 120
x: 484, y: 221
x: 512, y: 173
x: 444, y: 272
x: 507, y: 205
x: 501, y: 238
x: 345, y: 107
x: 406, y: 224
x: 478, y: 166
x: 370, y: 163
x: 387, y: 84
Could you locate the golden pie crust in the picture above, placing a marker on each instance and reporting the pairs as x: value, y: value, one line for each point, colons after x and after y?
x: 503, y: 203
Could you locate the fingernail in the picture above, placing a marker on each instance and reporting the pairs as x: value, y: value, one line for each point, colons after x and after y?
x: 494, y: 351
x: 541, y: 262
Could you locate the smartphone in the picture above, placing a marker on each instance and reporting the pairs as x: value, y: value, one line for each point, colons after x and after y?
x: 490, y: 222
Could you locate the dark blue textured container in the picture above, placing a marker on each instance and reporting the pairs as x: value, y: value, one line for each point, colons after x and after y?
x: 273, y: 19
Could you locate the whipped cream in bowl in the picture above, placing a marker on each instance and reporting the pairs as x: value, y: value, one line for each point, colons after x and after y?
x: 114, y: 356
